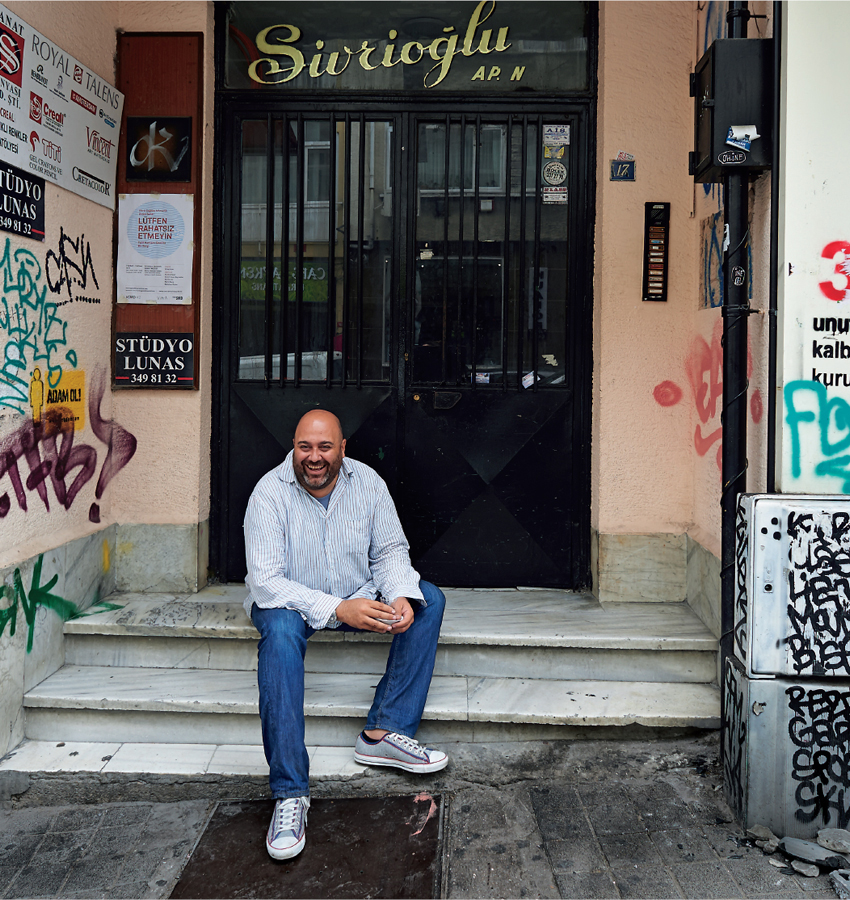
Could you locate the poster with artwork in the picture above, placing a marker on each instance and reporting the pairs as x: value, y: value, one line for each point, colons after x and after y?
x: 155, y: 243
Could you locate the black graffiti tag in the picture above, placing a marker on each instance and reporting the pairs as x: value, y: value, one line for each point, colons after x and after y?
x: 819, y: 593
x: 69, y: 266
x: 819, y: 727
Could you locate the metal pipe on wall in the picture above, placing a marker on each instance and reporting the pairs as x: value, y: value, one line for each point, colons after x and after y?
x: 774, y: 252
x: 733, y: 417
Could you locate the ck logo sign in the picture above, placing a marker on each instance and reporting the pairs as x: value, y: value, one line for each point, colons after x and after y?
x: 11, y: 55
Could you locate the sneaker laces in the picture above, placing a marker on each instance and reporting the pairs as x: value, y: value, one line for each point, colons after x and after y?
x: 408, y: 743
x: 287, y: 813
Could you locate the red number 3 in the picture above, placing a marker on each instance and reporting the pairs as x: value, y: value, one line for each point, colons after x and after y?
x: 829, y: 252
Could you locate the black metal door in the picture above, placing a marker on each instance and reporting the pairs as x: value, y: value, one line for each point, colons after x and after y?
x: 422, y: 276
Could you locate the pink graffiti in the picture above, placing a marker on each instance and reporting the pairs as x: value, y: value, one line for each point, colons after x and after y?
x: 422, y: 817
x: 704, y: 372
x: 48, y: 449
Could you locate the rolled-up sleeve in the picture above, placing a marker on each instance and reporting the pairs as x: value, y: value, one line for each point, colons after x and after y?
x: 265, y: 554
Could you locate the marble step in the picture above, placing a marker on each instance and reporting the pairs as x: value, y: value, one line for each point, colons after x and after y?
x: 87, y: 703
x: 514, y: 633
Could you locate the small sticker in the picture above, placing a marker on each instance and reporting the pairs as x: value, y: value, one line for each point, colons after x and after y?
x: 556, y: 134
x: 742, y: 136
x: 731, y: 157
x: 738, y: 276
x: 622, y: 156
x: 482, y: 378
x: 555, y: 173
x: 528, y: 380
x: 426, y: 254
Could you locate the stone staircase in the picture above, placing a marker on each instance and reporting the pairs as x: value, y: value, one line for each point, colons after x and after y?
x: 512, y: 665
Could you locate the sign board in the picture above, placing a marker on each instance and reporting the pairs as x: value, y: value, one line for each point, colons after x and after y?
x: 21, y: 203
x: 58, y: 119
x: 155, y: 248
x: 159, y: 148
x: 154, y: 360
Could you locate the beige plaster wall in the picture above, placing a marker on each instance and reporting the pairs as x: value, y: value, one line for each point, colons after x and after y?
x: 170, y: 483
x: 63, y: 332
x: 642, y: 461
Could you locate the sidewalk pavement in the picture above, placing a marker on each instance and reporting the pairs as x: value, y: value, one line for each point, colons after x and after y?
x: 581, y: 819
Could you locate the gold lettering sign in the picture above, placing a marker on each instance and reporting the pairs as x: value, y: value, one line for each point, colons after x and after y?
x: 285, y: 61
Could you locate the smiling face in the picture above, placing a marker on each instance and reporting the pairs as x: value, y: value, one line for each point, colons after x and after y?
x: 319, y: 451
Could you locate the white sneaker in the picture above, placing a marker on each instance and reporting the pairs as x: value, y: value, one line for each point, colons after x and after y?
x: 287, y: 829
x: 401, y: 752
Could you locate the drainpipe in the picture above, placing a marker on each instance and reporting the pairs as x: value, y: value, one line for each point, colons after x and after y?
x: 733, y: 418
x: 774, y: 252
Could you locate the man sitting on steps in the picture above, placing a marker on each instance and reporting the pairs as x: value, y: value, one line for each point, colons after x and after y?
x: 325, y: 549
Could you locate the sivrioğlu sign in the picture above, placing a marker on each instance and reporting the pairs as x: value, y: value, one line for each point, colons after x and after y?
x: 154, y: 360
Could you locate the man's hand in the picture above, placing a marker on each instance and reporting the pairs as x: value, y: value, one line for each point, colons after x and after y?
x: 362, y: 613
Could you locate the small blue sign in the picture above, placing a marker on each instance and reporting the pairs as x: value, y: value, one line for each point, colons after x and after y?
x: 622, y: 170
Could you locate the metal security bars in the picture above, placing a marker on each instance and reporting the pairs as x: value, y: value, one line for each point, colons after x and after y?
x: 490, y: 250
x: 317, y: 264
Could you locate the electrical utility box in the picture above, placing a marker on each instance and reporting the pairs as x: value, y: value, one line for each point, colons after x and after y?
x: 786, y: 689
x: 732, y: 87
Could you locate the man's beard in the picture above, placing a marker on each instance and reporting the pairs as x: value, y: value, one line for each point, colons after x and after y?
x: 315, y: 482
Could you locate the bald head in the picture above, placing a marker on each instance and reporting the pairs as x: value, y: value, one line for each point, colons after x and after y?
x: 318, y: 451
x: 318, y: 419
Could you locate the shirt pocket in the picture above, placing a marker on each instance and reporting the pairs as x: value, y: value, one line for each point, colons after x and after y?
x: 357, y: 536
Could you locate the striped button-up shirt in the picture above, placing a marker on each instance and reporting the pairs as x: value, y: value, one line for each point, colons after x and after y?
x: 301, y: 556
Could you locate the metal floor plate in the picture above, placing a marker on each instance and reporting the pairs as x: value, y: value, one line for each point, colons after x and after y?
x: 377, y: 847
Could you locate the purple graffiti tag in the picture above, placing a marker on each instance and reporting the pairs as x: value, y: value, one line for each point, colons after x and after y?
x: 48, y: 449
x: 121, y: 445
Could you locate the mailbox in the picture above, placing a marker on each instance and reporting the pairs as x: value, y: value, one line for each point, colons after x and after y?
x: 732, y: 88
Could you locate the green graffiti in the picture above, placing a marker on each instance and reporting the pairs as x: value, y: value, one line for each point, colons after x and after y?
x: 40, y: 595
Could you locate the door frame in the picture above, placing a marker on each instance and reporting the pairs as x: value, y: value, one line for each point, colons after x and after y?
x: 582, y: 213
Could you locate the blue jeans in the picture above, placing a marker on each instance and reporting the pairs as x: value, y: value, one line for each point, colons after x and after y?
x: 399, y: 697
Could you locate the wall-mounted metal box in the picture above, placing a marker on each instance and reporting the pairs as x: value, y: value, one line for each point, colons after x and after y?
x: 785, y: 752
x: 792, y: 588
x: 733, y: 87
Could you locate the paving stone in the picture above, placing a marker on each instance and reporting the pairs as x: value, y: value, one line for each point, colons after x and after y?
x: 131, y: 891
x: 115, y: 841
x: 651, y: 882
x: 78, y: 819
x: 683, y: 845
x: 559, y: 813
x: 26, y: 821
x: 586, y: 886
x: 62, y: 849
x: 621, y: 818
x: 126, y: 815
x: 708, y: 811
x: 756, y: 876
x: 7, y: 873
x: 16, y: 849
x: 704, y: 880
x: 725, y: 842
x: 40, y: 880
x: 93, y: 873
x: 629, y: 849
x: 663, y: 815
x: 576, y: 855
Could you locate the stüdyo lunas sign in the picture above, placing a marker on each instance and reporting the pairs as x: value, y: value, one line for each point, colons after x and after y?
x: 145, y: 360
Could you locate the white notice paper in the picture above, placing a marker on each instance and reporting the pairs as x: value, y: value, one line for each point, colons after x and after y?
x: 155, y: 242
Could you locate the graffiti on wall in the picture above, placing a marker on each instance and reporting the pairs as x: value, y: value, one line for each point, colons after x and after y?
x: 819, y: 728
x: 47, y: 450
x: 821, y: 425
x: 734, y: 740
x: 68, y: 269
x: 39, y: 595
x: 742, y: 552
x: 32, y: 332
x: 704, y: 373
x: 818, y: 641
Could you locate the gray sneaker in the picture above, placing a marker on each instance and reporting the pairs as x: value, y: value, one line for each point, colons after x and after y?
x: 287, y: 829
x: 401, y: 752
